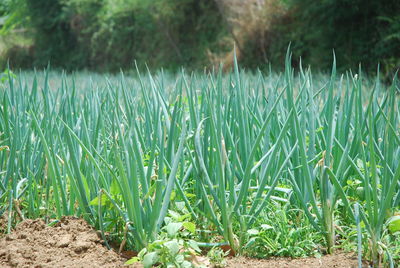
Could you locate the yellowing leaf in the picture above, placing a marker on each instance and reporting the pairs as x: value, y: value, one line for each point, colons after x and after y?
x: 184, y: 217
x: 190, y: 226
x: 173, y: 195
x: 189, y: 195
x: 95, y: 201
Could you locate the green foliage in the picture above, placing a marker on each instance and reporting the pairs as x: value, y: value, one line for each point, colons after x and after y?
x: 13, y: 14
x: 358, y: 31
x: 174, y: 248
x: 217, y: 257
x: 283, y: 232
x: 394, y: 224
x: 109, y: 35
x: 160, y: 160
x: 6, y: 76
x: 54, y: 40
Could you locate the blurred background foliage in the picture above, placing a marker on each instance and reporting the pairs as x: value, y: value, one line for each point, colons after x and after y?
x: 107, y: 35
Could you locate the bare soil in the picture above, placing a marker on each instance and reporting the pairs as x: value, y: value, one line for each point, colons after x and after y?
x: 70, y: 243
x: 74, y: 243
x: 338, y: 260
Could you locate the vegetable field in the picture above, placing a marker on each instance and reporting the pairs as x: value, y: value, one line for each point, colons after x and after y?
x: 169, y: 166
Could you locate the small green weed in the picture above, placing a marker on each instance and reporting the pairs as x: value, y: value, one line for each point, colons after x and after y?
x: 217, y: 257
x: 174, y: 248
x: 285, y: 233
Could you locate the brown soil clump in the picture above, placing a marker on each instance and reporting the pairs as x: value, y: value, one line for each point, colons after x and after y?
x: 70, y: 243
x: 338, y: 260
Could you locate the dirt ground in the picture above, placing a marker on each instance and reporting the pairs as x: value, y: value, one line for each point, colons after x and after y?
x: 73, y: 243
x: 340, y: 260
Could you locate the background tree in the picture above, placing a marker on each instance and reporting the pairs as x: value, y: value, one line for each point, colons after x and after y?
x: 109, y: 35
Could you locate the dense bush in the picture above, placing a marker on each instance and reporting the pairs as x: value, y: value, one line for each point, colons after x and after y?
x: 54, y: 40
x: 158, y: 33
x: 108, y: 35
x: 357, y: 30
x: 366, y: 32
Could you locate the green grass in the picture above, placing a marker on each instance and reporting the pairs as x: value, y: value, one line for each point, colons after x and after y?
x: 229, y: 152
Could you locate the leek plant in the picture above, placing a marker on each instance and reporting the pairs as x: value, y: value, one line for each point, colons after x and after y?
x: 124, y: 151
